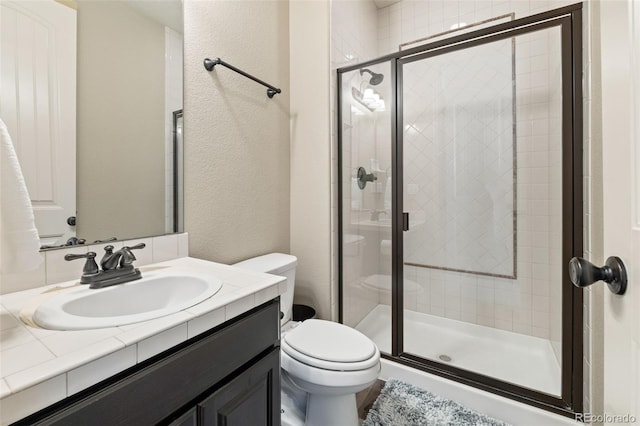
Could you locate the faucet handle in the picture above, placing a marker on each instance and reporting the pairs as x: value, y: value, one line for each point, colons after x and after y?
x: 127, y: 256
x: 90, y: 266
x: 136, y: 247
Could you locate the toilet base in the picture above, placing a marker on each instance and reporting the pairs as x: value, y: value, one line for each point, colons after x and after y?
x: 329, y: 410
x: 293, y: 401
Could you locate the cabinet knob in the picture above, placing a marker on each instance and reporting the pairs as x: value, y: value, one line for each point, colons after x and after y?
x: 584, y: 273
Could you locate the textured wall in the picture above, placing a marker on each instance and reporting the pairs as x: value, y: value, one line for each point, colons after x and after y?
x: 236, y: 138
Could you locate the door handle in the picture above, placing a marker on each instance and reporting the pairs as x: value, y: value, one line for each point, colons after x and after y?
x: 405, y: 221
x: 71, y: 221
x: 584, y: 273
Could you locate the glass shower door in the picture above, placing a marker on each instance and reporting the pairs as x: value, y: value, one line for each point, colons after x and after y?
x: 365, y: 165
x: 482, y: 153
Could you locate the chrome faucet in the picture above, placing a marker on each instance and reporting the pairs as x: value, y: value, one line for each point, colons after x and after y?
x: 117, y: 267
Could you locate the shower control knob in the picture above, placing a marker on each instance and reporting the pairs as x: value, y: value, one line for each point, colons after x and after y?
x: 584, y: 273
x: 363, y: 177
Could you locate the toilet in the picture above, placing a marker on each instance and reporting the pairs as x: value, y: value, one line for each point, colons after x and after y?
x: 324, y: 363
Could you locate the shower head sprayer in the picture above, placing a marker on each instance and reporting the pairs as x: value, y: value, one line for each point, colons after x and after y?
x: 375, y: 77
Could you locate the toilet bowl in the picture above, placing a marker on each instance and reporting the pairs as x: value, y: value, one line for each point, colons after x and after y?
x: 323, y: 363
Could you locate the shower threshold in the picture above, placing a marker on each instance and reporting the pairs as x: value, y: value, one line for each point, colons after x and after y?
x: 513, y: 357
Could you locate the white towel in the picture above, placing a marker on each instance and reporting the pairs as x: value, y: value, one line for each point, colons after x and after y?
x: 19, y: 240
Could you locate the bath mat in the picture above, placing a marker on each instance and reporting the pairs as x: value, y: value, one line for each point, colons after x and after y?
x: 402, y: 404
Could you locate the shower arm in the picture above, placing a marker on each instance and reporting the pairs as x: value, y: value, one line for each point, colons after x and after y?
x: 209, y: 64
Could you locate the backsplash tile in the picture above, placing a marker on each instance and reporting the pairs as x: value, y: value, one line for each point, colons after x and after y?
x: 55, y: 269
x: 165, y: 248
x: 183, y: 245
x: 144, y: 256
x: 59, y: 270
x: 20, y: 281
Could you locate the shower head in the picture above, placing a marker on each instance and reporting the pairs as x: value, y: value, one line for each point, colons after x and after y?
x: 375, y: 77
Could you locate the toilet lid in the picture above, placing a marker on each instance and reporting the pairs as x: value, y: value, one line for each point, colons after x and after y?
x: 330, y: 341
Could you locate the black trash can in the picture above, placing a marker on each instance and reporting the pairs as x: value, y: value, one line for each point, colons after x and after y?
x: 303, y: 312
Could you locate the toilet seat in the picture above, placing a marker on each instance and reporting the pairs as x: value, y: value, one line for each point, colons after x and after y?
x: 325, y: 381
x: 330, y: 346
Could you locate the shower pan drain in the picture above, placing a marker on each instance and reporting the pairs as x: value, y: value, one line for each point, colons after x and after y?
x: 445, y: 358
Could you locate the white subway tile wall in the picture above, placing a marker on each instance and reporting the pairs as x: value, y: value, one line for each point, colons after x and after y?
x: 523, y: 305
x: 459, y: 158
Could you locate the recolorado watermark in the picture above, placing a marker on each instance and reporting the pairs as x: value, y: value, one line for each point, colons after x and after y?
x: 605, y: 418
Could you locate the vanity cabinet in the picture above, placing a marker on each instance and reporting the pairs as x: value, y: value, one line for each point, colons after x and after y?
x: 228, y: 376
x: 246, y: 398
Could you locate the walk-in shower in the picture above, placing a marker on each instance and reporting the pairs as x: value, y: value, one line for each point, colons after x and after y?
x: 453, y: 254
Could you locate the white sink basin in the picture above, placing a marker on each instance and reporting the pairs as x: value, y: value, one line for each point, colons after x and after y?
x: 153, y: 296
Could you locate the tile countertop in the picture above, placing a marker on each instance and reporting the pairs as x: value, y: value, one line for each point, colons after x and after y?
x: 39, y: 367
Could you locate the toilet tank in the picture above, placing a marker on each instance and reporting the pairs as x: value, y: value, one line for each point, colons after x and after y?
x: 280, y: 264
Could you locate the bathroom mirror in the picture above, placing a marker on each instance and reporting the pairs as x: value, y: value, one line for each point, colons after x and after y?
x: 123, y: 81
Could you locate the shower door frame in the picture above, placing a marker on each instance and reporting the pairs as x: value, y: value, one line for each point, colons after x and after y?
x: 569, y: 20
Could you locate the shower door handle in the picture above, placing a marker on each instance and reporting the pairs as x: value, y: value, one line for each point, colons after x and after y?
x: 405, y: 221
x: 584, y: 273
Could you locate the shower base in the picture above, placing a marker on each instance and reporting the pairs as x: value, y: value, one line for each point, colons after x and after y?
x: 515, y: 358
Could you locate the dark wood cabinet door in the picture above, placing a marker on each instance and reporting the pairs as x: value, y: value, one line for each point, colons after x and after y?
x: 190, y: 418
x: 251, y: 398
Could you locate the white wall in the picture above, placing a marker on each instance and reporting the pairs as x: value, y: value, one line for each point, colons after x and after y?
x: 593, y: 307
x: 310, y: 154
x: 237, y: 155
